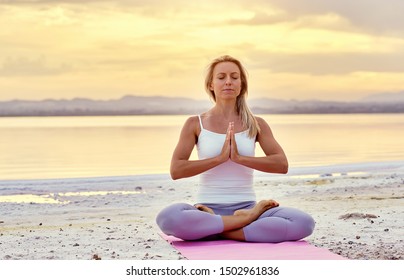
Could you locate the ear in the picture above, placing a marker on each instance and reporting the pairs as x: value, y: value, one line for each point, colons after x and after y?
x: 211, y: 86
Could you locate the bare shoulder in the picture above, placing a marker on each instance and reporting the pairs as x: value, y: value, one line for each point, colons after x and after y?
x: 192, y: 125
x: 265, y: 130
x: 262, y: 123
x: 192, y: 121
x: 259, y: 119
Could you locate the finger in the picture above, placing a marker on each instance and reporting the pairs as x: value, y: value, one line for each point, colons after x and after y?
x: 232, y: 132
x: 229, y: 127
x: 229, y: 131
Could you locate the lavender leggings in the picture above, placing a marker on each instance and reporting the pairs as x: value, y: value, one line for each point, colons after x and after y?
x: 275, y: 225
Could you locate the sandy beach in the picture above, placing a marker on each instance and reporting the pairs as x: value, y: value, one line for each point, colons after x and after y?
x: 358, y: 211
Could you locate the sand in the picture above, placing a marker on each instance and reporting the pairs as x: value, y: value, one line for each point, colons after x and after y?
x: 358, y: 211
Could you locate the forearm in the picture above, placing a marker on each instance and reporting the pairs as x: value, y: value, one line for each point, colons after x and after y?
x: 188, y: 168
x: 271, y: 164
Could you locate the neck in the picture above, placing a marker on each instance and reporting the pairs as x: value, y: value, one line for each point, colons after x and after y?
x: 227, y: 109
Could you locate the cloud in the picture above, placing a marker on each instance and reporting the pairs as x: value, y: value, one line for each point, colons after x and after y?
x: 16, y: 2
x: 359, y: 16
x: 262, y: 18
x: 23, y: 66
x: 370, y: 15
x: 134, y: 3
x: 327, y: 21
x: 330, y: 63
x: 118, y: 46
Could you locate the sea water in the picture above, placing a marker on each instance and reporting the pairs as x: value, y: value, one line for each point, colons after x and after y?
x: 102, y: 146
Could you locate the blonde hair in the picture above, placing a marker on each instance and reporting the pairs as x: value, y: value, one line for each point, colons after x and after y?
x: 247, y: 117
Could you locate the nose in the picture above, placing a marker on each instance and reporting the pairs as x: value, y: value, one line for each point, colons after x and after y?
x: 228, y: 81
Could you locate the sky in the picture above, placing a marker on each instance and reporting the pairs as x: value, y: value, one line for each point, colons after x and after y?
x: 308, y: 49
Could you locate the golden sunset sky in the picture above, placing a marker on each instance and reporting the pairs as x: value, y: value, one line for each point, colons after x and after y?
x: 306, y: 49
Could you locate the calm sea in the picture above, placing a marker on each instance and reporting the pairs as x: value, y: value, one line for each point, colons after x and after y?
x: 69, y: 147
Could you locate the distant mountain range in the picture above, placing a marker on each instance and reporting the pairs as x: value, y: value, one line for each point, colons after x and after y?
x: 140, y: 105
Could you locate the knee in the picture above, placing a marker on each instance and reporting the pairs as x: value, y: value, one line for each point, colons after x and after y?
x: 301, y: 225
x: 307, y: 225
x: 170, y: 218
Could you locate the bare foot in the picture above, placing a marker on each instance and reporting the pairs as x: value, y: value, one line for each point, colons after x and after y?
x: 204, y: 208
x: 257, y: 210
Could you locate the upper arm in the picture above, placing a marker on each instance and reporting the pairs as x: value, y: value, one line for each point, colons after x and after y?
x: 267, y: 140
x: 187, y: 139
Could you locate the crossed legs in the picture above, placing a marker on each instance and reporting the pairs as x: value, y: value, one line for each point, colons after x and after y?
x: 233, y: 224
x: 265, y: 222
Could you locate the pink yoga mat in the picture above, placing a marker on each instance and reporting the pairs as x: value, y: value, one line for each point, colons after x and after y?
x: 235, y: 250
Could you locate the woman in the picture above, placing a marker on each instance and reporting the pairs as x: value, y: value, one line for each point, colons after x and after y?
x: 225, y: 137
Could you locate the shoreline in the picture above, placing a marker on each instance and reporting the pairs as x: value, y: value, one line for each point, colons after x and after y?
x: 358, y: 212
x: 319, y: 170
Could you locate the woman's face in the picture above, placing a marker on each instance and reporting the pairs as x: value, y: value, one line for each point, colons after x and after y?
x: 226, y: 80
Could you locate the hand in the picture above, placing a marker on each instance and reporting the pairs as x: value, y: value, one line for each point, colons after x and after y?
x: 234, y: 155
x: 226, y: 150
x: 229, y: 150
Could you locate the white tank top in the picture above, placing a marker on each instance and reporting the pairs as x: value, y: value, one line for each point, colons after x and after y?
x: 228, y: 182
